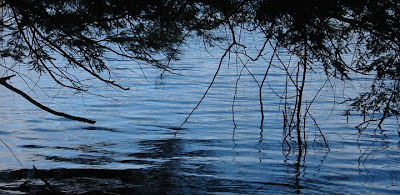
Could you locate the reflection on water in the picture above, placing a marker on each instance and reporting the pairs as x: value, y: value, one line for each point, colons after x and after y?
x: 131, y: 150
x: 175, y: 170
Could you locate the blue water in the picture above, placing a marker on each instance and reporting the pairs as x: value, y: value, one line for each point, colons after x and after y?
x: 134, y: 134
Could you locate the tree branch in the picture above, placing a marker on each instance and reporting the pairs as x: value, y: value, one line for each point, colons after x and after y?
x: 41, y: 106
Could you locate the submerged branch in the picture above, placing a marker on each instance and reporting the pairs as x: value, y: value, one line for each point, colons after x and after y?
x: 261, y: 87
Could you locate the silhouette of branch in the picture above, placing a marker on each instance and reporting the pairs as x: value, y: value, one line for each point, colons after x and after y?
x: 39, y: 175
x: 209, y: 86
x: 262, y: 84
x: 41, y: 106
x: 12, y: 153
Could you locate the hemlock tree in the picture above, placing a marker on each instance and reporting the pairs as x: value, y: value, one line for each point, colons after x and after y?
x: 82, y: 32
x: 318, y: 33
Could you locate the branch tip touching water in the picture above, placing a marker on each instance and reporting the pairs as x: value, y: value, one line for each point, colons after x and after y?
x: 41, y: 106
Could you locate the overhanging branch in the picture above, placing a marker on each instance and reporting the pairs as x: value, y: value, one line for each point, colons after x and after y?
x: 41, y: 106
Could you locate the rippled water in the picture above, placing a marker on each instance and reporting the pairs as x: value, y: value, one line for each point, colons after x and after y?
x: 130, y: 149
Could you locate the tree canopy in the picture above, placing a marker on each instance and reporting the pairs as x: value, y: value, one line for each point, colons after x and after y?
x: 318, y: 32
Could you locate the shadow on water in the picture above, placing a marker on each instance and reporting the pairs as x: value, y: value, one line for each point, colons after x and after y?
x: 93, y: 128
x: 172, y: 171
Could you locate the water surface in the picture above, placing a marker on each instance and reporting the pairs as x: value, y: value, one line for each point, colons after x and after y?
x: 132, y: 149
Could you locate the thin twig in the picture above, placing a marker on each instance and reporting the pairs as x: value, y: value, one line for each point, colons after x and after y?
x: 208, y: 88
x: 12, y: 153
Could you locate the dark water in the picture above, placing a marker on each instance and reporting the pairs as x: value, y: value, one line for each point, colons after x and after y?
x: 131, y: 148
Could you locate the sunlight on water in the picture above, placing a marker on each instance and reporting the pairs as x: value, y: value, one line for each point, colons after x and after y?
x: 131, y: 145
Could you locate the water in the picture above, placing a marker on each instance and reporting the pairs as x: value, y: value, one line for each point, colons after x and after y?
x: 131, y: 147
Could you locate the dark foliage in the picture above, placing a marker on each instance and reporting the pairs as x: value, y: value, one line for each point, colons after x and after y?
x: 83, y: 31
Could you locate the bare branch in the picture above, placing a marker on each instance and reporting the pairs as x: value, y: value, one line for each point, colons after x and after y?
x: 41, y: 106
x: 209, y: 86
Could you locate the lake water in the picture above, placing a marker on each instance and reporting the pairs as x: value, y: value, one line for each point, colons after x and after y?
x: 132, y: 149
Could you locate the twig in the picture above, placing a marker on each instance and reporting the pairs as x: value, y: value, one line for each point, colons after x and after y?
x: 12, y: 153
x: 386, y: 110
x: 319, y: 129
x: 208, y: 88
x: 261, y: 86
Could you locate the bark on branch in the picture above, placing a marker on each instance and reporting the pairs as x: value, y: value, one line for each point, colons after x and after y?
x: 41, y: 106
